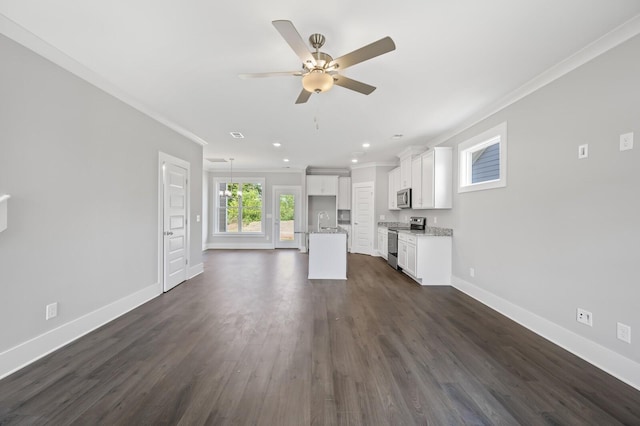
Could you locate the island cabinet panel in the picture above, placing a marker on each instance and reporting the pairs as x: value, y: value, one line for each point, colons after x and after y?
x: 328, y: 256
x: 322, y: 185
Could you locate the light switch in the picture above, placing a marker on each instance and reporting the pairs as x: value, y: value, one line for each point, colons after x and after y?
x: 583, y: 151
x: 626, y: 141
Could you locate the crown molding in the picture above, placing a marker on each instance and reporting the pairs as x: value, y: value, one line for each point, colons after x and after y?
x: 221, y: 172
x: 613, y: 38
x: 22, y: 36
x: 374, y: 164
x: 327, y: 171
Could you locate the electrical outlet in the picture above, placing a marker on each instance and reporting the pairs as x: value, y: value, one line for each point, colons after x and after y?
x: 583, y: 151
x: 624, y: 332
x: 435, y: 220
x: 585, y: 317
x: 51, y: 311
x: 626, y: 141
x: 472, y: 272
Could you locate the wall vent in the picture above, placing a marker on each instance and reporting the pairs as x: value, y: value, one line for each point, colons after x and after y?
x: 236, y: 135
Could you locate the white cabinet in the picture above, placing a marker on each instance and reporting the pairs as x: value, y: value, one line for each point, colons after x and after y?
x: 394, y: 187
x: 426, y: 259
x: 344, y: 193
x: 407, y: 253
x: 405, y: 172
x: 327, y: 256
x: 383, y: 242
x: 322, y: 185
x: 416, y: 183
x: 436, y: 181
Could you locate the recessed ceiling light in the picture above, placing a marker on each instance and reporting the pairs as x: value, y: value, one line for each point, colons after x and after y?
x: 276, y: 144
x: 366, y: 145
x: 397, y: 136
x: 286, y: 160
x: 236, y: 135
x: 354, y: 160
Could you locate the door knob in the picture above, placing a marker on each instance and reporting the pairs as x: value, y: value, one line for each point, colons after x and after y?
x: 168, y: 233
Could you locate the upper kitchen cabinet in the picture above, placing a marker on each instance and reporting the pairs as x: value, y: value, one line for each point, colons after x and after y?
x: 405, y: 172
x: 406, y: 158
x: 344, y: 193
x: 435, y: 188
x: 416, y: 182
x: 322, y: 185
x: 394, y: 187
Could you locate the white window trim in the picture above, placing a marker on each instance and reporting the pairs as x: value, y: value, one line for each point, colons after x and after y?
x: 477, y: 142
x: 216, y: 184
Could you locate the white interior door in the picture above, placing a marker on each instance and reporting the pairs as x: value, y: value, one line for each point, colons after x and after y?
x: 286, y: 216
x: 175, y: 236
x: 363, y: 217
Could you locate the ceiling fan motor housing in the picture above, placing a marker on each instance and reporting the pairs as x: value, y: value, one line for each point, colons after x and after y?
x: 316, y: 40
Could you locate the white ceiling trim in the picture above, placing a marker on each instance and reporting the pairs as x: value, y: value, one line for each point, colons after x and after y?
x: 615, y: 37
x: 374, y: 164
x: 32, y: 42
x: 225, y: 172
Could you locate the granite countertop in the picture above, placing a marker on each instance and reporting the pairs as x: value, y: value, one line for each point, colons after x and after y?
x: 394, y: 224
x: 431, y: 231
x: 338, y: 230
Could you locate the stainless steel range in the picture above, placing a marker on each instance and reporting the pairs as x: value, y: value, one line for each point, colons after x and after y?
x: 415, y: 224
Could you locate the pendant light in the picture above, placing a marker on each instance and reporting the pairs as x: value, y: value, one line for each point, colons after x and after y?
x: 227, y: 192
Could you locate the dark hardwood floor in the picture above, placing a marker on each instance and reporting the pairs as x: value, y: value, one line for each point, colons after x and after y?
x: 252, y: 341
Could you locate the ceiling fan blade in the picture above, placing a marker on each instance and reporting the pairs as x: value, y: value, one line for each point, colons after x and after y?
x: 355, y: 85
x: 377, y: 48
x: 270, y: 74
x: 291, y: 36
x: 303, y: 97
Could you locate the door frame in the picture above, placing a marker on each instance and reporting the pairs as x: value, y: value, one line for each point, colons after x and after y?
x: 373, y: 229
x: 162, y: 159
x: 297, y: 190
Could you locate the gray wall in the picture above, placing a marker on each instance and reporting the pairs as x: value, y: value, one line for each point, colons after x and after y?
x: 564, y: 233
x: 82, y: 170
x: 271, y: 179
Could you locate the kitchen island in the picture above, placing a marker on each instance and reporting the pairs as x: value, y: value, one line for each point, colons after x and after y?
x: 328, y: 255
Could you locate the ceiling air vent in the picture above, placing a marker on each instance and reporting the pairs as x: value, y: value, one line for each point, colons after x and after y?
x: 236, y: 135
x: 216, y: 160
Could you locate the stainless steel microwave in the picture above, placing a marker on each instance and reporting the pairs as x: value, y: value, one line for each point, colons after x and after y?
x: 404, y: 198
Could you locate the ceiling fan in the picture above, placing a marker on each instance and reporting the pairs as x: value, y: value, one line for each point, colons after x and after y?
x: 319, y: 70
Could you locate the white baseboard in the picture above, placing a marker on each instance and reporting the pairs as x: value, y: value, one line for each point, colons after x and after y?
x: 245, y: 246
x: 27, y: 352
x: 195, y: 270
x: 605, y: 359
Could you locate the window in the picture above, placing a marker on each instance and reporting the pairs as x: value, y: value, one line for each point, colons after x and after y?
x: 240, y: 206
x: 482, y: 160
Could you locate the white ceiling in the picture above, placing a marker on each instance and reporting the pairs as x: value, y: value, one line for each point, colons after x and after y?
x: 454, y: 60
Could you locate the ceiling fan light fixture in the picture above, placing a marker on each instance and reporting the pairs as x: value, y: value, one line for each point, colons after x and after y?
x: 317, y: 81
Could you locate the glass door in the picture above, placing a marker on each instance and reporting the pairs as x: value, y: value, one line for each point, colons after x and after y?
x: 286, y: 217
